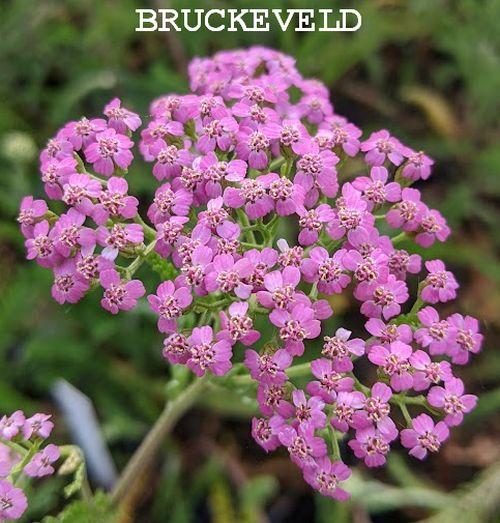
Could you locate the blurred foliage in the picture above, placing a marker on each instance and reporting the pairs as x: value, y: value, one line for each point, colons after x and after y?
x: 429, y: 70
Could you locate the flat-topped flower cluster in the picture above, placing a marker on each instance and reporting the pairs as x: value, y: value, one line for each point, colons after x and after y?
x: 255, y: 153
x: 21, y: 457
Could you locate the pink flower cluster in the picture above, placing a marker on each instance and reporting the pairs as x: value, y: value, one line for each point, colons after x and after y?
x: 20, y: 439
x: 255, y: 152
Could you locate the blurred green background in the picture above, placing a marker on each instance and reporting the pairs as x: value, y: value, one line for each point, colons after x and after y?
x: 428, y: 70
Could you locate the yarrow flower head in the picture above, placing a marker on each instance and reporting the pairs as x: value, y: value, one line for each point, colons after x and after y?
x: 251, y: 156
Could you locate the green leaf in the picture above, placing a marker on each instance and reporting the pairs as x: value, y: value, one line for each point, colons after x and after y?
x: 98, y: 510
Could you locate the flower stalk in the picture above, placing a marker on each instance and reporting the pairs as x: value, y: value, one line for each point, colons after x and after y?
x: 150, y: 446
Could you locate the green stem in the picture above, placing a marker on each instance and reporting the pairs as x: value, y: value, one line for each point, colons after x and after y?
x: 276, y: 163
x: 288, y: 166
x: 404, y: 409
x: 132, y: 268
x: 149, y: 232
x: 247, y: 228
x: 150, y: 446
x: 399, y: 238
x: 17, y: 470
x: 359, y: 386
x: 14, y: 446
x: 418, y: 302
x: 335, y: 443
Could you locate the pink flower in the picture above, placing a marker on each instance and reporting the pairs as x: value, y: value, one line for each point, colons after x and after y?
x: 40, y: 247
x: 121, y: 119
x: 435, y: 334
x: 375, y: 189
x: 371, y: 446
x: 268, y: 368
x: 291, y: 134
x: 312, y: 221
x: 325, y: 476
x: 109, y: 150
x: 215, y: 172
x: 408, y: 212
x: 369, y: 268
x: 7, y: 460
x: 351, y: 214
x: 417, y: 165
x: 119, y: 237
x: 168, y: 233
x: 30, y: 212
x: 314, y: 108
x: 346, y: 405
x: 168, y: 202
x: 394, y: 361
x: 345, y: 135
x: 80, y: 191
x: 55, y: 174
x: 194, y: 273
x: 325, y: 270
x: 10, y: 426
x: 295, y: 327
x: 288, y: 197
x: 303, y: 446
x: 69, y: 234
x: 13, y: 501
x: 339, y: 349
x: 390, y: 332
x: 175, y: 107
x: 273, y: 399
x: 57, y: 148
x: 452, y: 400
x: 424, y: 436
x: 253, y: 194
x: 400, y: 262
x: 428, y: 372
x: 439, y: 285
x: 114, y: 202
x: 224, y: 270
x: 329, y: 381
x: 289, y: 256
x: 253, y: 147
x: 38, y: 425
x: 432, y: 227
x: 228, y: 275
x: 205, y: 355
x: 263, y: 434
x: 316, y: 172
x: 215, y: 214
x: 169, y: 160
x: 169, y: 303
x: 375, y: 411
x: 280, y: 288
x: 381, y: 146
x: 118, y: 294
x: 308, y: 412
x: 176, y: 348
x: 467, y: 340
x: 69, y: 286
x: 159, y: 129
x: 262, y: 261
x: 382, y: 298
x: 217, y: 134
x: 41, y: 463
x: 238, y: 326
x: 82, y: 132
